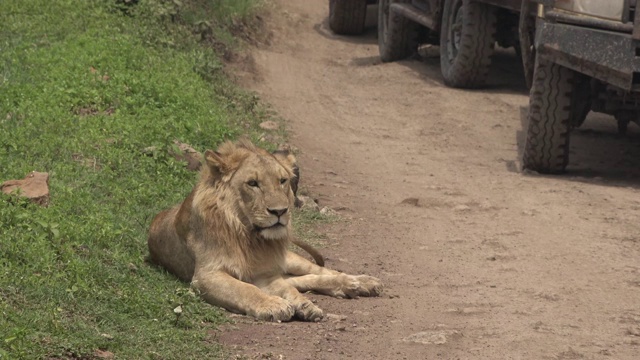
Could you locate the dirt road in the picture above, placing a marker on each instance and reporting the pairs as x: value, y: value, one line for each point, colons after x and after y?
x: 479, y: 260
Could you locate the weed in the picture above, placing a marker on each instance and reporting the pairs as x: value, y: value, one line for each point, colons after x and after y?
x: 306, y: 223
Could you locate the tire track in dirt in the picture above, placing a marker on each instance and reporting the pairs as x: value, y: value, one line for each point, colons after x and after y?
x: 480, y: 261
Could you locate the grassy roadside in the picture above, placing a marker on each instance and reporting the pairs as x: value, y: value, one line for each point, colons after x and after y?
x: 85, y: 86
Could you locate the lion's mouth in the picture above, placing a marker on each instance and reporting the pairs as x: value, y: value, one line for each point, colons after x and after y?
x: 277, y: 225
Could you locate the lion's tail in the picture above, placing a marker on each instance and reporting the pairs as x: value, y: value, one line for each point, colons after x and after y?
x: 315, y: 254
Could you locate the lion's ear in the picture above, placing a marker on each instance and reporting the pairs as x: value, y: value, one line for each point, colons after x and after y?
x: 286, y: 158
x: 216, y: 163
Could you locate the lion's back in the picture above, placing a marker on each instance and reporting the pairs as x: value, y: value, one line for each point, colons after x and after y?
x: 166, y: 248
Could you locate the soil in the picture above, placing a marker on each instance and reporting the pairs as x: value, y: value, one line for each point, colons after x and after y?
x: 479, y: 260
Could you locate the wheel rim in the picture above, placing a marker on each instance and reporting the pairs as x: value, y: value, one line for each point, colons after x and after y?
x: 455, y: 31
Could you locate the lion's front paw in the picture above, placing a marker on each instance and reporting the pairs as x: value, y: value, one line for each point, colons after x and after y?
x: 307, y: 311
x: 274, y: 309
x: 361, y: 285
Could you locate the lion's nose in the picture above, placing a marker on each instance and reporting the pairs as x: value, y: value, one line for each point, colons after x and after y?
x: 278, y: 212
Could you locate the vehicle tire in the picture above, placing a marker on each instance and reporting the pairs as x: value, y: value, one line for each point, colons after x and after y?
x: 347, y: 17
x: 397, y: 35
x: 467, y: 39
x: 552, y: 109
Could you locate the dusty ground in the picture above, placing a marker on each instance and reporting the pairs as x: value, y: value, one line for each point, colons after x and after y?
x: 479, y: 260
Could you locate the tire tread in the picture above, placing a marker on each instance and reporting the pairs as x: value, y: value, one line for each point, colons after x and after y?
x: 470, y: 68
x: 347, y: 17
x: 398, y: 39
x: 547, y: 143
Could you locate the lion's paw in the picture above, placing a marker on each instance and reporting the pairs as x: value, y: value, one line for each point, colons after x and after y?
x: 353, y: 287
x: 276, y: 309
x: 369, y: 285
x: 307, y: 311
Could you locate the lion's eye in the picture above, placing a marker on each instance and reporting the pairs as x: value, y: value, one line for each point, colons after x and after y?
x: 252, y: 183
x: 283, y: 180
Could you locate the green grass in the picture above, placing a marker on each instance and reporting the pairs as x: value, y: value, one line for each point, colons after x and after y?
x: 306, y: 224
x: 85, y: 86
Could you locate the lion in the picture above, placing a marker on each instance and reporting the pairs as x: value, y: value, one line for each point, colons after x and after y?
x: 230, y: 239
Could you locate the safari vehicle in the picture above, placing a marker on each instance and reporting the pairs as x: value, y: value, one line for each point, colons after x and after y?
x: 578, y: 56
x: 466, y: 31
x: 347, y: 17
x: 587, y: 58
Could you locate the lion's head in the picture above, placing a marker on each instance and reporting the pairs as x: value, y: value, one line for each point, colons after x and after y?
x: 256, y: 184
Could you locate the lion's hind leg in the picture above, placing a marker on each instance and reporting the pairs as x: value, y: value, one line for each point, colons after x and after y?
x: 340, y: 285
x: 166, y: 249
x: 295, y: 264
x: 307, y: 276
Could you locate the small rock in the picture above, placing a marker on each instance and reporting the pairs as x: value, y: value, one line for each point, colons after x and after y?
x: 364, y: 313
x: 149, y: 150
x: 308, y: 203
x: 327, y: 211
x: 547, y: 296
x: 132, y: 267
x: 103, y: 354
x: 462, y: 208
x: 342, y: 208
x: 411, y: 201
x: 82, y: 249
x: 188, y: 154
x: 35, y: 187
x: 633, y: 331
x: 471, y: 310
x: 269, y: 125
x: 335, y: 317
x: 432, y: 337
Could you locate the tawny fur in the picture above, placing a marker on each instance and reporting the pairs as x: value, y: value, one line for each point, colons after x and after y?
x: 229, y: 237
